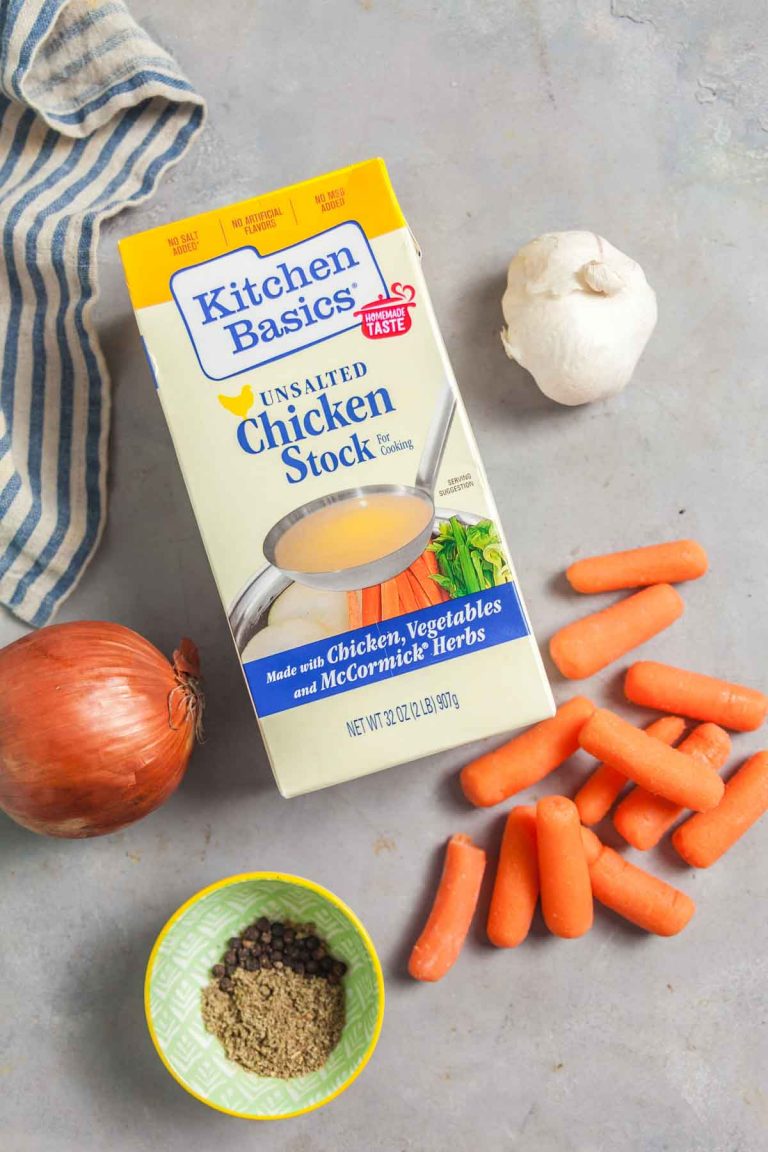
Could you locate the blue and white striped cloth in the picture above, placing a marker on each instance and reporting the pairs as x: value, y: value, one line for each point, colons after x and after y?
x: 92, y: 112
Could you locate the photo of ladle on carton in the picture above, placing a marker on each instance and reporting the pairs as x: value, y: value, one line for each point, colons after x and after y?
x: 301, y: 614
x: 352, y: 539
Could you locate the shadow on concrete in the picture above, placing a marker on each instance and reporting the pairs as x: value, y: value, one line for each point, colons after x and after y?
x: 114, y: 1056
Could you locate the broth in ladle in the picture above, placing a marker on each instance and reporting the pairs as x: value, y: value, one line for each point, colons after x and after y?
x: 351, y: 532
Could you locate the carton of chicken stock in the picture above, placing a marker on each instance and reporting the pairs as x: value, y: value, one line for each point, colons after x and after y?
x: 335, y: 479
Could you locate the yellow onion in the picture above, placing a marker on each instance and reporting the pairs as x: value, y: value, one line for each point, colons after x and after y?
x: 96, y: 727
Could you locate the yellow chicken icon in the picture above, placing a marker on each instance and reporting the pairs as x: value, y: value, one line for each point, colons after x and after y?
x: 239, y: 405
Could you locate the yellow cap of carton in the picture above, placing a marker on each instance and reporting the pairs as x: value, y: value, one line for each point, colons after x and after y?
x: 362, y: 192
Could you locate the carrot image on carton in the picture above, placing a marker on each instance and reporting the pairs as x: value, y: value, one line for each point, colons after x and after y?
x: 335, y: 479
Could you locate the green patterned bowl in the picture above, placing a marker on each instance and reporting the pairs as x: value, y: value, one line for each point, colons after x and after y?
x: 179, y: 967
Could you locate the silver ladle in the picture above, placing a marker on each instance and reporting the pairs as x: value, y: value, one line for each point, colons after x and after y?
x: 264, y: 588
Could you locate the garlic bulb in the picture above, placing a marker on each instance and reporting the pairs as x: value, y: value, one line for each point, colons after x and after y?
x: 578, y: 315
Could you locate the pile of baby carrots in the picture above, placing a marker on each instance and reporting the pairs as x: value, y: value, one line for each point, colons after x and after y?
x: 548, y: 852
x: 407, y: 592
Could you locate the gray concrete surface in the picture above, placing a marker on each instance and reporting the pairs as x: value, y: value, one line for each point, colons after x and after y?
x: 648, y: 122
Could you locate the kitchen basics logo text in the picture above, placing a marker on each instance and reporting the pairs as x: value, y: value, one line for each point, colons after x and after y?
x: 242, y: 310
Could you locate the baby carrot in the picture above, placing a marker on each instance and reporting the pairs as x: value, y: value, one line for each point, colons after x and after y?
x: 661, y: 770
x: 566, y: 893
x: 642, y: 818
x: 516, y: 888
x: 705, y: 838
x: 405, y: 593
x: 372, y: 604
x: 592, y: 846
x: 636, y: 895
x: 655, y: 564
x: 587, y: 645
x: 692, y: 694
x: 598, y: 792
x: 390, y: 601
x: 436, y: 950
x: 354, y: 610
x: 528, y: 758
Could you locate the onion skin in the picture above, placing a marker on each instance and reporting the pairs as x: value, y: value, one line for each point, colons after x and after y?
x: 96, y: 727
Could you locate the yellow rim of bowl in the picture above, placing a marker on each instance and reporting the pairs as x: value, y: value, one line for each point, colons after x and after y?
x: 286, y: 878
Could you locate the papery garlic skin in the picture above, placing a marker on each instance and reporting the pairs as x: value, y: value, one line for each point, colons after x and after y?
x: 578, y: 315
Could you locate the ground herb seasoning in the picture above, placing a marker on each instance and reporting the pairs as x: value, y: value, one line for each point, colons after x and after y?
x: 275, y: 1000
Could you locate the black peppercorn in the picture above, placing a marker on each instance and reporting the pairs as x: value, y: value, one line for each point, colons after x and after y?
x: 268, y: 944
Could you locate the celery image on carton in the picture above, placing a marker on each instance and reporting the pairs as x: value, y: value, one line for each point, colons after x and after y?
x: 335, y: 479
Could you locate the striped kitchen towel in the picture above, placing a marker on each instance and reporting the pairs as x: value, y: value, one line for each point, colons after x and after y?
x: 92, y: 112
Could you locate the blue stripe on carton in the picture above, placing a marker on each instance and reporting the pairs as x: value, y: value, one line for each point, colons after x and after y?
x: 382, y: 651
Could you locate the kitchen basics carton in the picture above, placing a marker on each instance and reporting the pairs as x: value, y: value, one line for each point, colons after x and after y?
x: 334, y: 476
